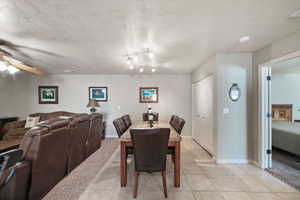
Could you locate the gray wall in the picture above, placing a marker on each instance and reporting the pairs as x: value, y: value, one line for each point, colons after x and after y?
x: 123, y: 95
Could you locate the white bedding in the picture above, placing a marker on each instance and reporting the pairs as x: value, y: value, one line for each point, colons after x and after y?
x: 291, y: 127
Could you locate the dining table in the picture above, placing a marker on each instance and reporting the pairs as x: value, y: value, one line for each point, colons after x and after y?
x: 126, y: 141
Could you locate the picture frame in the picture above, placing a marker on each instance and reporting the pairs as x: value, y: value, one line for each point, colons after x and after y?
x: 98, y: 93
x: 149, y: 94
x: 48, y: 94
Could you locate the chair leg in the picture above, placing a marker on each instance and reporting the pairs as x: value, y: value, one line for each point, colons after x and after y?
x: 173, y: 157
x: 136, y: 174
x: 164, y: 179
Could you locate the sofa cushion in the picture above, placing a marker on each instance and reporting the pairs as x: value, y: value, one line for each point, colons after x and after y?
x: 32, y: 121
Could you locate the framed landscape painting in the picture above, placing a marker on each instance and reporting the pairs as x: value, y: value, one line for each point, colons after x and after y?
x: 48, y: 94
x: 98, y: 93
x: 149, y: 95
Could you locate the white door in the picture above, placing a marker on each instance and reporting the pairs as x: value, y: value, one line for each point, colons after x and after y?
x: 265, y: 117
x: 203, y: 113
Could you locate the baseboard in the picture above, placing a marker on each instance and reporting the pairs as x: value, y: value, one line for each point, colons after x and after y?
x: 233, y: 161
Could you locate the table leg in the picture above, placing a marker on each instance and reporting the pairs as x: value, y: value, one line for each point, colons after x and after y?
x: 177, y: 165
x: 123, y: 167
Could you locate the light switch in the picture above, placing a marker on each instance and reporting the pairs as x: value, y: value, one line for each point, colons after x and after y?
x: 225, y: 111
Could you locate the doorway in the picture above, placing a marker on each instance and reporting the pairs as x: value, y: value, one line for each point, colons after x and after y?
x: 279, y: 111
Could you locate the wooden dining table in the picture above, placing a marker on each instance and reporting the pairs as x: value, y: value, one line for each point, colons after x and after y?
x: 174, y: 141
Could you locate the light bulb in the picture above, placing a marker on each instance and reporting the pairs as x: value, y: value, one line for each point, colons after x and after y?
x: 151, y: 55
x: 141, y: 70
x: 153, y: 70
x: 3, y: 66
x: 11, y: 69
x: 129, y: 61
x: 135, y: 59
x: 131, y: 67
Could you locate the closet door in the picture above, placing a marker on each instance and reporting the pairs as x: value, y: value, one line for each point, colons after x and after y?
x: 203, y: 113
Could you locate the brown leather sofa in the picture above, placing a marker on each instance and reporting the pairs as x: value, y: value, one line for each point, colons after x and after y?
x: 51, y: 150
x: 16, y: 130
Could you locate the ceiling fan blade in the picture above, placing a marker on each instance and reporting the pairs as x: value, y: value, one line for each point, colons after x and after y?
x: 28, y: 68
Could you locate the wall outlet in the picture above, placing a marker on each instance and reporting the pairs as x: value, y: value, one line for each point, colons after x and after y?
x: 225, y: 111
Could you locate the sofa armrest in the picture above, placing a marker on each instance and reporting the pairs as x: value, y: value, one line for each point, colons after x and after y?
x: 18, y: 187
x: 15, y: 124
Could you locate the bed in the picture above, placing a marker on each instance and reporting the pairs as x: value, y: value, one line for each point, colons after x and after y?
x: 285, y: 132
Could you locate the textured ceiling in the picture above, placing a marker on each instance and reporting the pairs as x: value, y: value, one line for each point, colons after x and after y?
x: 92, y: 36
x: 291, y: 66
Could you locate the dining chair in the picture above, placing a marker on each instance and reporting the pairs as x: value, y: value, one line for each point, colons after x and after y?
x: 119, y: 126
x: 150, y: 147
x: 178, y: 124
x: 127, y: 120
x: 8, y: 161
x: 146, y: 116
x: 171, y: 122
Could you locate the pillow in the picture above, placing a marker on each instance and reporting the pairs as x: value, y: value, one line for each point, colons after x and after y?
x: 32, y: 121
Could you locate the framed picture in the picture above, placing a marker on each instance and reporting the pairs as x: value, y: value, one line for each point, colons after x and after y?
x: 98, y: 93
x: 149, y: 95
x: 48, y: 94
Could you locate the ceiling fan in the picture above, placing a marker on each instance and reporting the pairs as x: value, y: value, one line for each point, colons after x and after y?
x: 12, y: 65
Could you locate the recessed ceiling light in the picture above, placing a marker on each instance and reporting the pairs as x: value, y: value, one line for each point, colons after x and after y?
x: 153, y: 70
x: 131, y: 67
x: 244, y: 39
x: 141, y: 70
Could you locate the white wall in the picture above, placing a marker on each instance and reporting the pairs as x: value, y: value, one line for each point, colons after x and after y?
x: 285, y: 90
x: 123, y: 90
x: 232, y: 128
x: 231, y: 131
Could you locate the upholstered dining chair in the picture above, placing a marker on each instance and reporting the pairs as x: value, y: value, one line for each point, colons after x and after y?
x: 8, y: 161
x: 127, y: 121
x: 119, y: 126
x: 177, y: 123
x: 171, y: 122
x: 150, y: 147
x: 146, y: 116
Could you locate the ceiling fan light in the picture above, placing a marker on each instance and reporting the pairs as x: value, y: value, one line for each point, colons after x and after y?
x: 244, y: 39
x: 135, y: 59
x: 3, y: 67
x: 12, y: 70
x: 153, y: 70
x: 131, y: 67
x: 129, y: 61
x: 141, y: 70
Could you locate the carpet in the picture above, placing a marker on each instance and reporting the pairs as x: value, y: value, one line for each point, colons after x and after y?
x: 286, y: 167
x: 76, y: 182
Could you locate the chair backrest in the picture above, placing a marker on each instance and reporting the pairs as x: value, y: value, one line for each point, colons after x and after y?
x: 119, y: 126
x: 46, y: 147
x: 179, y: 125
x: 150, y: 148
x: 79, y: 127
x: 127, y: 121
x: 95, y: 133
x: 146, y: 116
x: 172, y: 119
x: 8, y: 161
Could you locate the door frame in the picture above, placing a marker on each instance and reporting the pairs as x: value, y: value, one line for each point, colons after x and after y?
x: 265, y: 109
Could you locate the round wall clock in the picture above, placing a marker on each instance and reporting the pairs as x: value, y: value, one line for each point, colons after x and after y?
x: 234, y: 92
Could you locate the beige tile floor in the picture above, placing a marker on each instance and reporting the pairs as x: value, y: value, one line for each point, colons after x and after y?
x: 201, y: 179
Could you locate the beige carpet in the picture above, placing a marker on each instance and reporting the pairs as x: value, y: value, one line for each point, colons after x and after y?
x: 76, y: 182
